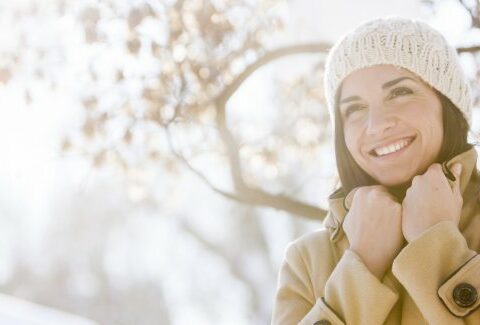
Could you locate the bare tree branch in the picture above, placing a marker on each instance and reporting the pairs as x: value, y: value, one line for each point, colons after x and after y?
x: 474, y: 14
x: 270, y: 56
x: 192, y: 169
x: 245, y: 194
x: 255, y: 197
x: 471, y: 49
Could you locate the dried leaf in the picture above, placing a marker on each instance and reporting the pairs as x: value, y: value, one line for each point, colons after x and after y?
x: 66, y: 144
x: 90, y: 103
x: 91, y: 35
x: 5, y: 75
x: 133, y: 45
x: 90, y: 15
x: 89, y: 128
x: 155, y: 155
x: 127, y: 137
x: 150, y: 94
x: 99, y: 158
x: 120, y: 75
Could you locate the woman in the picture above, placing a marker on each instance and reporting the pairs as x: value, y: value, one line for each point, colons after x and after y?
x: 401, y: 240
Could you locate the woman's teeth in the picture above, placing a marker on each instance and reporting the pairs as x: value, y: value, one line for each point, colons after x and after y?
x: 382, y: 151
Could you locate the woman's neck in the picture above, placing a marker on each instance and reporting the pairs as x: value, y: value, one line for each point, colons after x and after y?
x: 399, y: 191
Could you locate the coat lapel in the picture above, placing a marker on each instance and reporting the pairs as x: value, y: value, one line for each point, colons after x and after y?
x: 339, y: 203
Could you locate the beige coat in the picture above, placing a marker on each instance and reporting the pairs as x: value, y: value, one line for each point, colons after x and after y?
x: 435, y: 279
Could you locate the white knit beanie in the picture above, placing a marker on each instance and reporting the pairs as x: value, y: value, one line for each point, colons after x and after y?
x: 406, y: 43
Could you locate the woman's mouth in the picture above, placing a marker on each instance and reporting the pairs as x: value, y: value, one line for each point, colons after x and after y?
x: 393, y: 149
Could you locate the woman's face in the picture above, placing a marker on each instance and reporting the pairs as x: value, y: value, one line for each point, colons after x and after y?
x: 392, y: 122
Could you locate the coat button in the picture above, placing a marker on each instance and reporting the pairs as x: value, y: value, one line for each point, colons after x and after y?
x: 465, y: 295
x: 323, y: 322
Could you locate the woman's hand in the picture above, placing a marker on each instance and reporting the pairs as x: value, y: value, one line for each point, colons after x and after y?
x: 374, y: 227
x: 429, y: 200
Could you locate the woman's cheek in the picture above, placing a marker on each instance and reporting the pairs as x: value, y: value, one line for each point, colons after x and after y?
x: 348, y: 137
x: 352, y: 138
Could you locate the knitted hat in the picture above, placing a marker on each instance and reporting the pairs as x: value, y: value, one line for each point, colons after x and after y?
x: 406, y: 43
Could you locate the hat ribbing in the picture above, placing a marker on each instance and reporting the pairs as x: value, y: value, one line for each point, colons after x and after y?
x: 407, y: 43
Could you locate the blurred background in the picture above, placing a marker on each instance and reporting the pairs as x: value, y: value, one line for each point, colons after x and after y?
x: 158, y: 155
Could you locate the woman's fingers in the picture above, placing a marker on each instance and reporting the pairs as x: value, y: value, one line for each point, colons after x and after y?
x: 457, y: 171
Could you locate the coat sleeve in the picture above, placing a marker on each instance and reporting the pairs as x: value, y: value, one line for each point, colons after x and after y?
x: 442, y: 275
x: 352, y: 294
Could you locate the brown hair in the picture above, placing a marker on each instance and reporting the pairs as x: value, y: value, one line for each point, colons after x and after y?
x: 455, y: 132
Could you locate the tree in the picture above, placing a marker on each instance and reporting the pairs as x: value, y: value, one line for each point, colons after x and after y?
x: 207, y: 52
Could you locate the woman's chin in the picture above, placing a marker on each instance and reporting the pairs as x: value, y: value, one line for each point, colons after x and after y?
x: 397, y: 186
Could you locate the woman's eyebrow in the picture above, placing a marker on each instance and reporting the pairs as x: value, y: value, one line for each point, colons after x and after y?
x: 349, y: 99
x: 384, y: 86
x: 395, y: 81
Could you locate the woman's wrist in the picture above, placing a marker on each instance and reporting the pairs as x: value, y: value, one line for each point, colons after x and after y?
x: 375, y: 267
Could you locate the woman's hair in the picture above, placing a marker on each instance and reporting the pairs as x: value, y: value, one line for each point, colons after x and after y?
x: 455, y: 132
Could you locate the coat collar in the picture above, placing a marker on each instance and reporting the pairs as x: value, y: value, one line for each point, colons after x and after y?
x: 339, y: 203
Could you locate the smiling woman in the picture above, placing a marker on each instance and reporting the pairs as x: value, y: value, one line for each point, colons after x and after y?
x: 394, y: 128
x: 401, y: 240
x: 398, y: 131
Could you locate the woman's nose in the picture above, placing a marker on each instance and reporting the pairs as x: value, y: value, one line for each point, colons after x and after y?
x: 379, y: 122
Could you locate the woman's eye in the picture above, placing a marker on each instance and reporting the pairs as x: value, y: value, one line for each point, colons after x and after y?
x: 352, y: 108
x: 400, y: 91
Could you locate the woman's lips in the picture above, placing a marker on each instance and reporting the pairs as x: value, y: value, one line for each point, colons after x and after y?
x: 395, y: 153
